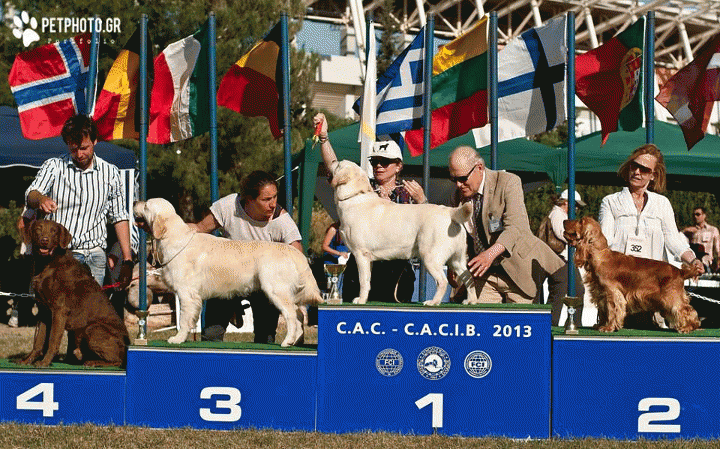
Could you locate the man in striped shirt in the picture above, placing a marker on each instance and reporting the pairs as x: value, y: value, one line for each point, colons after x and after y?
x: 84, y: 193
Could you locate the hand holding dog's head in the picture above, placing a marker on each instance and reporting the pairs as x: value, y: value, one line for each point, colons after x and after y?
x: 47, y: 236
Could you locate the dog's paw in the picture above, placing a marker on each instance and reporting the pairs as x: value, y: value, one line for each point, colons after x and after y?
x: 359, y: 300
x: 42, y: 363
x: 176, y: 339
x: 606, y: 328
x: 431, y: 302
x: 468, y: 302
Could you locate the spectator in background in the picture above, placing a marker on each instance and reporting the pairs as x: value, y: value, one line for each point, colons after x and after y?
x: 334, y: 248
x: 558, y: 282
x: 704, y: 240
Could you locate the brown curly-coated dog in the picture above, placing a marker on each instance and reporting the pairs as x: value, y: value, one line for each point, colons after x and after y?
x: 621, y: 284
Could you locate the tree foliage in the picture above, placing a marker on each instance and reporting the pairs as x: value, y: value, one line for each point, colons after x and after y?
x: 180, y: 171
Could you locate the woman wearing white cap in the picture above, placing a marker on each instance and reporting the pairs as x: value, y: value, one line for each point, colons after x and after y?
x: 391, y: 280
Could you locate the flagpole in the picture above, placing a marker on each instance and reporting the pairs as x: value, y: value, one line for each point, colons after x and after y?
x: 285, y: 98
x: 142, y: 177
x: 571, y: 141
x: 214, y: 195
x: 650, y: 77
x: 493, y: 88
x: 92, y: 76
x: 427, y: 128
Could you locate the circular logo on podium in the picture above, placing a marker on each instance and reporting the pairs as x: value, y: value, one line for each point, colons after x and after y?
x: 433, y: 363
x: 389, y: 362
x: 478, y: 364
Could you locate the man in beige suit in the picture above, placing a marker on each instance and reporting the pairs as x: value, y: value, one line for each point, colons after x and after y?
x: 506, y: 259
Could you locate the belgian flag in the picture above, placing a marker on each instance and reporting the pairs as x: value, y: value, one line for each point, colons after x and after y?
x: 251, y: 86
x: 117, y: 112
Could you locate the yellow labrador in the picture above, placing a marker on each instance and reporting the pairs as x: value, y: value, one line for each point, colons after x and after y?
x: 377, y: 229
x: 197, y: 266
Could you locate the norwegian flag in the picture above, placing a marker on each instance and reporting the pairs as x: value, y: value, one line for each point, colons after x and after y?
x: 49, y: 85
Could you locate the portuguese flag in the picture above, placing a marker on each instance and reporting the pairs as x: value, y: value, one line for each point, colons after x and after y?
x: 608, y: 79
x: 117, y: 112
x: 251, y: 87
x: 459, y: 89
x: 180, y: 98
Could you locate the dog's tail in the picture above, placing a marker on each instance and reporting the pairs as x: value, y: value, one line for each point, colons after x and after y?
x: 307, y: 289
x: 689, y: 271
x: 462, y: 213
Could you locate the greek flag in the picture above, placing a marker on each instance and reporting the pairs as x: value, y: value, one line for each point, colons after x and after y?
x: 400, y: 91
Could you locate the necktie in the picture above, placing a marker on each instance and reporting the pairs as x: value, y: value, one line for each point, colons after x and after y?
x: 477, y: 222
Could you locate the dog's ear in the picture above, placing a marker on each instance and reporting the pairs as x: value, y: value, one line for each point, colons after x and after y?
x: 581, y: 253
x: 65, y: 237
x: 158, y: 228
x: 33, y: 225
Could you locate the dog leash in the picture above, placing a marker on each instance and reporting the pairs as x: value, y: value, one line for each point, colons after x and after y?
x: 704, y: 298
x: 153, y: 272
x: 162, y: 265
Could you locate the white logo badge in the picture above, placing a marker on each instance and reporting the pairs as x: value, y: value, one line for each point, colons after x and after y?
x: 389, y: 362
x: 433, y: 363
x: 478, y: 364
x: 20, y: 30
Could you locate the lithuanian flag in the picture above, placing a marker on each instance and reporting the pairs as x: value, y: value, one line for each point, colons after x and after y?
x: 459, y: 89
x: 117, y: 113
x: 251, y: 86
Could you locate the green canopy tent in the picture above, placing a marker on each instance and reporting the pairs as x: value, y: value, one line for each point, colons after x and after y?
x: 695, y: 170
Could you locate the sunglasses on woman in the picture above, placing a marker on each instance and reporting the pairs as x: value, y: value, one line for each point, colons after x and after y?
x: 383, y: 162
x: 643, y: 169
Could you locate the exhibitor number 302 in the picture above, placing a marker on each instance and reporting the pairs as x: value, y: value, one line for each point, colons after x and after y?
x: 512, y: 331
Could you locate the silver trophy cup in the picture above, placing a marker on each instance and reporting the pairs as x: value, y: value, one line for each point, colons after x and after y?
x: 333, y: 271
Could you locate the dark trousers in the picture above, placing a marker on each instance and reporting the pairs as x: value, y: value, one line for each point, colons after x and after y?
x: 219, y: 312
x: 558, y: 289
x: 388, y: 278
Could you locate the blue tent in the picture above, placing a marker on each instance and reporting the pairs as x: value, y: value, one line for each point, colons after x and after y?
x: 16, y: 150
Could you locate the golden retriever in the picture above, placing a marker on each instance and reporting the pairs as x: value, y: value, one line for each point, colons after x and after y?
x: 197, y: 266
x: 378, y: 229
x: 622, y: 284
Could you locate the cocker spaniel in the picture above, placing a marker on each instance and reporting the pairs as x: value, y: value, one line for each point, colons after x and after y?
x: 621, y: 284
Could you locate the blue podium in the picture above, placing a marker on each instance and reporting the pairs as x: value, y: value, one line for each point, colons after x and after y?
x: 415, y: 369
x: 629, y: 388
x: 221, y: 389
x: 50, y: 396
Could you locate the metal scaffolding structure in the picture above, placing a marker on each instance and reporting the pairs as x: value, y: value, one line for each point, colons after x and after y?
x: 681, y: 26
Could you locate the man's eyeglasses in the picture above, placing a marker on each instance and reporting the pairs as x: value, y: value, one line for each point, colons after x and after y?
x: 463, y: 179
x: 384, y: 162
x: 643, y: 169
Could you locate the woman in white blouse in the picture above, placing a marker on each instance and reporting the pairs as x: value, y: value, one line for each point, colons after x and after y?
x: 638, y: 220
